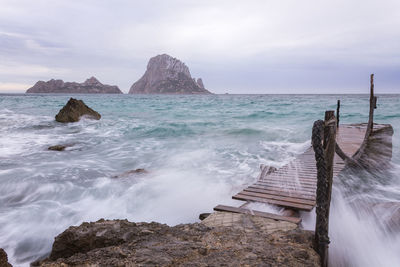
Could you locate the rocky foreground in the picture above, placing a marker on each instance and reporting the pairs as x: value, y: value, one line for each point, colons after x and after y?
x: 90, y: 86
x: 167, y: 75
x: 222, y: 239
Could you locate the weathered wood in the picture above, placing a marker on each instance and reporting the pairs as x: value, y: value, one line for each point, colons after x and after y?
x: 280, y: 193
x: 370, y: 125
x: 275, y: 202
x: 276, y: 197
x: 324, y: 186
x: 338, y: 112
x: 285, y: 190
x: 258, y: 213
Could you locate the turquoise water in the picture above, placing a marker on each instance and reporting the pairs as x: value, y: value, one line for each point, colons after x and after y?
x: 198, y: 151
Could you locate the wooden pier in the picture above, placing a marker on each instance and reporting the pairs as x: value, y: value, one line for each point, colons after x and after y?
x: 294, y: 186
x: 306, y: 182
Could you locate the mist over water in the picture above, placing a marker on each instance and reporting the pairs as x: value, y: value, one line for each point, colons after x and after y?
x: 198, y: 151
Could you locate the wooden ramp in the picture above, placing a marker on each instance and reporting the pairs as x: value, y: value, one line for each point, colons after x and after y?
x: 294, y: 185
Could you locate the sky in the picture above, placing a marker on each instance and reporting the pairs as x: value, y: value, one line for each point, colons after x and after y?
x: 287, y: 46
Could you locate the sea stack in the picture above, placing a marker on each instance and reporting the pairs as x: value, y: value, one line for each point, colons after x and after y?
x: 74, y: 110
x: 167, y: 75
x: 90, y: 86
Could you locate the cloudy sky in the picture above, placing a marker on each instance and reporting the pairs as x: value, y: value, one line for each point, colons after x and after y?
x: 269, y: 46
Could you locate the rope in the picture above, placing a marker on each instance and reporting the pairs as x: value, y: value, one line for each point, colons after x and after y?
x: 321, y: 232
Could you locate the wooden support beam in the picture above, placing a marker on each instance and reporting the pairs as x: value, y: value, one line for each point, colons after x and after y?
x: 324, y: 155
x: 337, y: 112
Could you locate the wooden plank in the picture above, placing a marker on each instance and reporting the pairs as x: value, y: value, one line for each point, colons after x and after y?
x: 275, y: 202
x: 280, y: 193
x: 275, y: 197
x: 286, y: 181
x: 258, y: 213
x: 295, y: 180
x: 288, y: 184
x: 286, y: 189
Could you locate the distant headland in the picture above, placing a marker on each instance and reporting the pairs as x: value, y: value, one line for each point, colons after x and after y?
x: 90, y: 86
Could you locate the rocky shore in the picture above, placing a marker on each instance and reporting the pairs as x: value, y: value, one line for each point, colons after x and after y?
x: 222, y: 239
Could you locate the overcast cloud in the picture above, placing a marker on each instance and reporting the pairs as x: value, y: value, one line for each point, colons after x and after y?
x: 288, y: 46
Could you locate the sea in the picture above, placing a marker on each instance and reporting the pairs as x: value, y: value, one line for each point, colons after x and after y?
x: 198, y: 151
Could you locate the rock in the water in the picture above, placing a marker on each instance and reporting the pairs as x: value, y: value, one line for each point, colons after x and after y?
x: 4, y: 259
x: 123, y: 243
x: 57, y: 148
x: 167, y: 75
x: 90, y: 86
x: 131, y: 172
x: 74, y: 110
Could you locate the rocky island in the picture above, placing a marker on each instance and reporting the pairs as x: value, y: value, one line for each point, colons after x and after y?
x: 90, y: 86
x: 167, y: 75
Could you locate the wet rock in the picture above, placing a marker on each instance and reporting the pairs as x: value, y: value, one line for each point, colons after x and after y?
x: 4, y: 259
x: 123, y: 243
x: 131, y: 172
x: 74, y: 110
x: 57, y: 148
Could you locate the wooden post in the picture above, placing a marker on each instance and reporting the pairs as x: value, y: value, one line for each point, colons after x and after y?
x: 324, y: 188
x: 337, y: 112
x: 330, y: 129
x: 372, y: 105
x: 370, y: 126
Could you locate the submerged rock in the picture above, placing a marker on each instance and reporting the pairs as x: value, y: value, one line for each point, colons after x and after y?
x: 4, y: 259
x: 123, y: 243
x: 57, y: 148
x: 131, y: 172
x: 90, y: 86
x: 167, y: 75
x: 74, y: 110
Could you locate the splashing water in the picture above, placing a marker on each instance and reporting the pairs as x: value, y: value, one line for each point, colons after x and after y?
x: 198, y: 150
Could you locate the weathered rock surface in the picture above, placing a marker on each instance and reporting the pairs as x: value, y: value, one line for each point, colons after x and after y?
x: 167, y: 75
x: 74, y: 110
x: 90, y: 86
x: 4, y: 259
x: 123, y: 243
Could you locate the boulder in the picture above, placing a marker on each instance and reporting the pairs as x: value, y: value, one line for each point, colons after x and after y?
x: 123, y: 243
x: 74, y: 110
x: 167, y: 75
x: 4, y: 259
x: 90, y: 86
